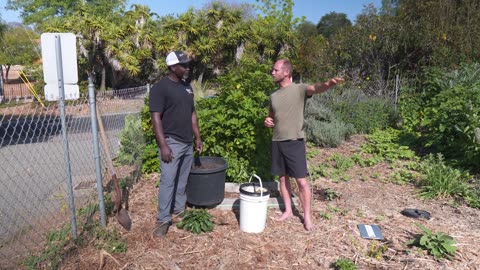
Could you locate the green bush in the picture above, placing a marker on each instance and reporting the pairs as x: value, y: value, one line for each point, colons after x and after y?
x: 150, y: 158
x: 449, y: 113
x: 323, y: 128
x: 390, y: 144
x: 131, y: 142
x: 365, y: 113
x: 231, y: 123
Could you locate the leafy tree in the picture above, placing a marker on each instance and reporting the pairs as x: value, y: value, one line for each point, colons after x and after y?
x: 331, y: 23
x: 19, y: 47
x: 389, y: 7
x: 130, y: 47
x: 107, y: 43
x: 371, y: 52
x: 273, y: 35
x: 213, y: 36
x: 310, y: 61
x: 446, y: 32
x: 307, y: 29
x: 37, y: 12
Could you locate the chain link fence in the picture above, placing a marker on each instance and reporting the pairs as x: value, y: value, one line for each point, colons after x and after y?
x: 34, y: 175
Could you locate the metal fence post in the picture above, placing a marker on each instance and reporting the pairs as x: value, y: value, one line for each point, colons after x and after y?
x: 96, y: 149
x: 71, y: 203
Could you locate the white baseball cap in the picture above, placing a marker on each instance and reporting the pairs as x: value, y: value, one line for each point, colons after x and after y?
x: 177, y: 57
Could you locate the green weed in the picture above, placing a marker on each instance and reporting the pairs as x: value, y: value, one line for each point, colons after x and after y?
x: 196, y: 221
x: 441, y: 180
x: 344, y: 264
x: 376, y: 250
x: 331, y: 194
x: 437, y: 244
x: 342, y: 163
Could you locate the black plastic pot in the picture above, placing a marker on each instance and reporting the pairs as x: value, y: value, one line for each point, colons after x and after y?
x: 206, y: 182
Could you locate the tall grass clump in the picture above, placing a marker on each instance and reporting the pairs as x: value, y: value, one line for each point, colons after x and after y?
x: 441, y: 180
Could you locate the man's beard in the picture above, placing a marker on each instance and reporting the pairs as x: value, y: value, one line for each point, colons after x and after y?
x: 187, y: 76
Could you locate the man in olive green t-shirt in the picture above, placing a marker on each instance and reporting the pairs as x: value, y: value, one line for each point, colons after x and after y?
x: 286, y: 117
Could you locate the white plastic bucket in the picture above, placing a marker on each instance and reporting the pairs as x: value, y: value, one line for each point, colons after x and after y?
x: 253, y: 206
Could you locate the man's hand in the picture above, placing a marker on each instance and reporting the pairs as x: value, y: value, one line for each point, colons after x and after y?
x: 166, y: 153
x: 336, y: 81
x: 269, y: 122
x: 199, y: 146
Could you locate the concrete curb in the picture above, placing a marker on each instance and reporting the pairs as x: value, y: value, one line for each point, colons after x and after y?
x: 234, y: 203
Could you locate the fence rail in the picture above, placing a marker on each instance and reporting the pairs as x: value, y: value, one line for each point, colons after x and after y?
x: 34, y: 195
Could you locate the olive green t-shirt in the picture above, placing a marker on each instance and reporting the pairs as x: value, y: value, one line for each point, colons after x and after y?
x: 288, y: 106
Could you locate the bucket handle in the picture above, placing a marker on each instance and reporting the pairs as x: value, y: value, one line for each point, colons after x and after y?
x: 259, y: 180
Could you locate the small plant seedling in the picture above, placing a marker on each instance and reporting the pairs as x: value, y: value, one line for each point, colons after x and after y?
x: 196, y: 221
x: 380, y: 218
x: 344, y: 264
x: 325, y: 215
x: 376, y: 250
x: 337, y: 210
x: 437, y: 244
x: 331, y: 194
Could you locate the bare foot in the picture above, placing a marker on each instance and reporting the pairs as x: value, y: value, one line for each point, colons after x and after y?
x: 284, y: 217
x: 308, y: 225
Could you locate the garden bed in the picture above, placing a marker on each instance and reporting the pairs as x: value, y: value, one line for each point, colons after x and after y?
x: 367, y: 198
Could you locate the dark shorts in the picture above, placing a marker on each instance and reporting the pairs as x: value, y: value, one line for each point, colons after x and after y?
x: 289, y: 158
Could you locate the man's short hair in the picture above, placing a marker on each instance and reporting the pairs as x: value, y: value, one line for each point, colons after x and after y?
x: 286, y: 64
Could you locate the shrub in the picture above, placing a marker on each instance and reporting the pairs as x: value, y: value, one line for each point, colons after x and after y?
x: 390, y: 144
x: 323, y: 128
x: 449, y: 113
x: 131, y: 142
x: 150, y: 158
x: 231, y: 123
x: 365, y: 113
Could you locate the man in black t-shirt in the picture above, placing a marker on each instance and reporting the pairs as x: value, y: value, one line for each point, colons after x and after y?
x: 174, y: 123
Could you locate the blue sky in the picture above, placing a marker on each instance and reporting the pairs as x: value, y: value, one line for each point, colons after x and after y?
x: 313, y: 10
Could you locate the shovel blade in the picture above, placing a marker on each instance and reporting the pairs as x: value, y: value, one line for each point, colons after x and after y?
x: 124, y: 219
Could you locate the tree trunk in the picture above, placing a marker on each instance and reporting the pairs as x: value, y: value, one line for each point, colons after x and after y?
x: 104, y: 75
x: 200, y: 77
x: 7, y: 69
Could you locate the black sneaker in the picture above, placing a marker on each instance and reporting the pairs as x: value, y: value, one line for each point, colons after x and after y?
x: 162, y: 229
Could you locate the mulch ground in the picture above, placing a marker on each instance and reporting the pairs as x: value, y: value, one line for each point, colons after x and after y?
x: 365, y: 199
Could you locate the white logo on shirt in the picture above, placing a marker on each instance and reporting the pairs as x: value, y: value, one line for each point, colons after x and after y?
x: 189, y: 90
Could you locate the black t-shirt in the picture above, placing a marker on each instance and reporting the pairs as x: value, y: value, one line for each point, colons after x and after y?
x: 175, y: 101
